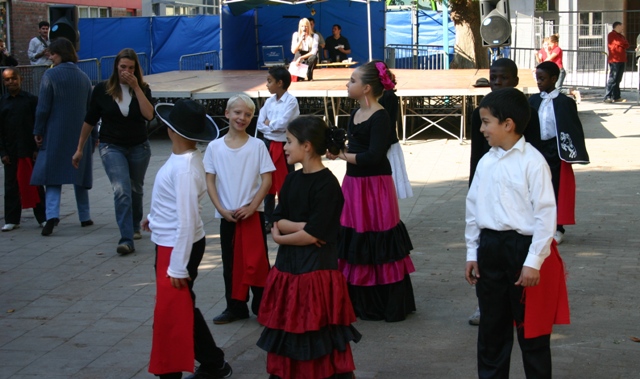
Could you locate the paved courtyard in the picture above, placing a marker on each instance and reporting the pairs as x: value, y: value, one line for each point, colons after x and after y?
x: 70, y: 307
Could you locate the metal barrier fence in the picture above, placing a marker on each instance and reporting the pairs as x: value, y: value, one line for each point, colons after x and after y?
x: 106, y: 65
x: 421, y: 57
x: 91, y: 67
x: 31, y: 78
x: 584, y: 67
x: 208, y: 60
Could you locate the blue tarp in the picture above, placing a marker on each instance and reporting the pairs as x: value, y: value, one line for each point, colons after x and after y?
x: 162, y: 39
x: 429, y: 28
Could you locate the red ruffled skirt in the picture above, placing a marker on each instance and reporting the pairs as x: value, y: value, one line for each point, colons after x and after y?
x: 307, y: 319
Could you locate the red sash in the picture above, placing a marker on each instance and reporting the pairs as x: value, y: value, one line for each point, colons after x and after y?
x: 250, y: 263
x: 276, y: 151
x: 29, y: 196
x: 172, y: 348
x: 566, y: 195
x: 547, y: 303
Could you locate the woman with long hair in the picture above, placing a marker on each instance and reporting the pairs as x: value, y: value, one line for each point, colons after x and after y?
x: 304, y: 46
x: 124, y: 104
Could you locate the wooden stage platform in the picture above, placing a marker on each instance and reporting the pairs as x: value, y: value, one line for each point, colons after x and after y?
x: 430, y: 95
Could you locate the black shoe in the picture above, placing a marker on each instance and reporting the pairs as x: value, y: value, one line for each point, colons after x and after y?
x: 86, y: 223
x: 227, y: 317
x: 125, y: 249
x: 224, y: 372
x: 48, y: 227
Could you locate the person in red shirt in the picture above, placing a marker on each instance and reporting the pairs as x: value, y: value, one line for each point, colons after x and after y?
x: 618, y: 46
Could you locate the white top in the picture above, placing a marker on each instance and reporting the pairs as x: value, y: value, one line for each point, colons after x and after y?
x: 547, y: 115
x: 309, y: 44
x: 174, y: 218
x: 512, y: 190
x: 237, y: 171
x: 279, y: 113
x: 126, y: 100
x: 36, y: 46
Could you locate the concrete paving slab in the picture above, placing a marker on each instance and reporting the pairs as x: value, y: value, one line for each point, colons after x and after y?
x: 70, y: 307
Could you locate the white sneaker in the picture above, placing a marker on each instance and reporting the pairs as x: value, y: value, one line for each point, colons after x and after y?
x: 10, y: 227
x: 559, y: 237
x: 577, y: 95
x: 474, y: 319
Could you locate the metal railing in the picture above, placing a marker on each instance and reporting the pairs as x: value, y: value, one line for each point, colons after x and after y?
x: 584, y: 67
x: 207, y: 60
x: 31, y: 78
x: 91, y: 67
x: 419, y: 57
x: 106, y: 64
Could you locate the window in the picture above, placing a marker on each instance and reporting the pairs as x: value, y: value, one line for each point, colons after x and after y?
x: 591, y: 24
x: 93, y: 12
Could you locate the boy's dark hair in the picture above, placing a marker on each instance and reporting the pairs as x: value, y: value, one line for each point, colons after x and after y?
x: 506, y: 64
x: 311, y: 19
x: 510, y: 103
x: 314, y: 130
x: 281, y: 73
x: 550, y: 68
x: 43, y: 23
x: 616, y: 24
x: 339, y: 27
x: 14, y: 70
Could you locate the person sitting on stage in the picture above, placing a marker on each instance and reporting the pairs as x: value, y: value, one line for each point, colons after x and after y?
x: 337, y: 47
x: 275, y: 115
x: 304, y: 44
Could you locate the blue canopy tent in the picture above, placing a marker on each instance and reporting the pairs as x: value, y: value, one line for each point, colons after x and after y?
x: 274, y: 25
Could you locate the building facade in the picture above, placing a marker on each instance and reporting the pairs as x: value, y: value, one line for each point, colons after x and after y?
x: 19, y: 18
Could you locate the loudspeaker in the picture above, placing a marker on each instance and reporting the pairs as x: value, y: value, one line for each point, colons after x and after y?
x: 64, y: 23
x: 495, y: 25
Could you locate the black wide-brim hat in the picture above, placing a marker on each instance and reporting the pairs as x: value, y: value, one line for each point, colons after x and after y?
x: 482, y: 82
x: 189, y: 119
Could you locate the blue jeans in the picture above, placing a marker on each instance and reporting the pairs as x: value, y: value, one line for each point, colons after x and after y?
x: 52, y: 199
x: 126, y: 167
x: 615, y: 77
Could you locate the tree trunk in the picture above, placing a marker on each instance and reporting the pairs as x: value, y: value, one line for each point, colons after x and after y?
x: 469, y: 52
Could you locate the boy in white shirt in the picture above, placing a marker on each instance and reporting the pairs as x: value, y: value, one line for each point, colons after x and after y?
x: 239, y: 170
x: 275, y: 115
x: 510, y: 217
x: 180, y: 333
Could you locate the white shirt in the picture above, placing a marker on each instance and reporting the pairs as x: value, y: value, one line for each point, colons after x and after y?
x: 512, y: 190
x: 279, y: 113
x: 308, y: 44
x: 126, y: 99
x: 174, y: 218
x: 36, y: 46
x: 237, y: 171
x: 547, y: 116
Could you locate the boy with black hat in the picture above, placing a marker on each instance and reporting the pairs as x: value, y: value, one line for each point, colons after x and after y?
x: 180, y: 333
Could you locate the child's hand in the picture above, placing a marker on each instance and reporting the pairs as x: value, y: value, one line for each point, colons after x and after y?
x: 179, y: 283
x: 331, y: 156
x: 471, y: 272
x: 145, y: 225
x: 275, y: 232
x: 228, y: 215
x: 529, y: 277
x: 244, y: 212
x: 319, y: 243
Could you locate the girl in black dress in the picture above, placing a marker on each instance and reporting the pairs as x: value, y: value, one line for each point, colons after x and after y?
x: 306, y: 308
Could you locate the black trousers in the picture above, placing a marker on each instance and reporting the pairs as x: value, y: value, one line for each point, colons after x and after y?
x: 210, y: 356
x: 12, y: 202
x: 238, y: 307
x: 500, y: 259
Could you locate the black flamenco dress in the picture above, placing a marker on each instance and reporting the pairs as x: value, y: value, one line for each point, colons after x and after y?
x: 374, y: 244
x: 306, y: 308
